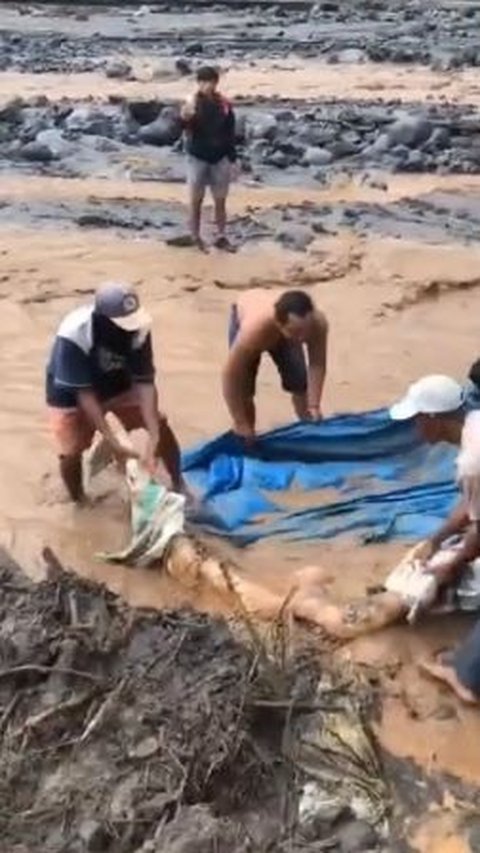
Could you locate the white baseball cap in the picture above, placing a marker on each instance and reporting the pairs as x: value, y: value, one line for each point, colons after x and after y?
x: 431, y: 395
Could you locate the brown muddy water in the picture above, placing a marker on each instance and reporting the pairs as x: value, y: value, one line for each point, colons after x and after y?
x: 375, y: 351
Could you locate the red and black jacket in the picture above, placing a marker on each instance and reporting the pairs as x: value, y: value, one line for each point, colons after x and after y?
x: 210, y: 133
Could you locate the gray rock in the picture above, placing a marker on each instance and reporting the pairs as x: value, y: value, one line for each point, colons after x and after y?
x: 280, y: 160
x: 261, y: 126
x: 317, y: 157
x: 241, y: 125
x: 351, y: 55
x: 296, y: 237
x: 381, y: 143
x: 54, y: 140
x: 415, y: 161
x: 194, y: 48
x: 316, y: 136
x: 88, y: 119
x: 342, y: 148
x: 34, y: 120
x: 94, y: 836
x: 410, y: 131
x: 440, y: 138
x: 183, y: 67
x: 118, y: 69
x: 356, y: 836
x: 35, y: 152
x: 165, y: 130
x: 144, y: 112
x: 12, y: 111
x: 105, y: 146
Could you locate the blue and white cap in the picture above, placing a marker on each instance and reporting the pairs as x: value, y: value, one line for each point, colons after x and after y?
x: 120, y: 303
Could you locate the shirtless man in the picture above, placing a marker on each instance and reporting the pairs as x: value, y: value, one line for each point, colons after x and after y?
x: 282, y: 326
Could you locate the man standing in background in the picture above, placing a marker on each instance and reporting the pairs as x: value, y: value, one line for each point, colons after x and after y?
x: 209, y: 123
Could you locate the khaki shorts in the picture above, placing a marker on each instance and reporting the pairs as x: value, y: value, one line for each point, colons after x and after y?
x: 72, y: 431
x: 202, y: 175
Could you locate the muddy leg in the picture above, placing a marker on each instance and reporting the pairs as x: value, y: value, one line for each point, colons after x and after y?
x: 71, y: 474
x: 169, y: 451
x: 220, y: 216
x: 195, y: 218
x: 447, y: 675
x: 350, y: 620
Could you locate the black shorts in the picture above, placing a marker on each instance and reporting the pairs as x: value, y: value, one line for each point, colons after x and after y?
x: 288, y: 357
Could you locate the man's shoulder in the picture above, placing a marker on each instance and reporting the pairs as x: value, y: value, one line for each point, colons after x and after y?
x: 468, y: 461
x: 77, y: 327
x: 321, y: 319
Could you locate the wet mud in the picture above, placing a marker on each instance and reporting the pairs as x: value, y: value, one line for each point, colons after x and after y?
x: 359, y: 137
x: 145, y: 731
x: 435, y: 218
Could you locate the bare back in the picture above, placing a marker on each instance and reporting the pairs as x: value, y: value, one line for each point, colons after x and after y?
x: 256, y: 317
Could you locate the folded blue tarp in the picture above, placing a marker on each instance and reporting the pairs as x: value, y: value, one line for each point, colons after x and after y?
x: 388, y: 483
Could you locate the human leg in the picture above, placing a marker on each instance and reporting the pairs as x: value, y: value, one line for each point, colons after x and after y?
x: 348, y: 621
x: 219, y: 185
x: 197, y: 182
x: 289, y: 359
x: 441, y: 668
x: 72, y: 434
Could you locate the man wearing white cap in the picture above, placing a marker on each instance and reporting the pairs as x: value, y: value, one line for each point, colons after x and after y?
x: 102, y: 361
x: 437, y: 405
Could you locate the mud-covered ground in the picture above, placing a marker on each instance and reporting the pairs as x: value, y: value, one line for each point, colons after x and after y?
x: 359, y: 141
x: 146, y: 732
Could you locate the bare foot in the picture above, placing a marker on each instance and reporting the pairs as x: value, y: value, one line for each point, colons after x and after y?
x: 440, y: 670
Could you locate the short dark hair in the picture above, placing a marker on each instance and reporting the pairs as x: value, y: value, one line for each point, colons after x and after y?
x: 474, y: 373
x: 293, y: 302
x: 208, y: 74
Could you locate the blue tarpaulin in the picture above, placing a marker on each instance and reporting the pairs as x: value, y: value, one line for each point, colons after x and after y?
x: 388, y: 484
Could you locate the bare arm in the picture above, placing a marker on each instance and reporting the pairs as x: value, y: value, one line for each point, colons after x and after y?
x: 90, y: 404
x: 235, y: 379
x: 317, y: 364
x: 148, y: 402
x: 456, y: 522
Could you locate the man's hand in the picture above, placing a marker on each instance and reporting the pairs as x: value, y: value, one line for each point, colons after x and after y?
x: 122, y: 454
x: 423, y: 551
x: 149, y: 458
x: 315, y: 413
x: 245, y: 431
x: 235, y: 171
x: 187, y: 111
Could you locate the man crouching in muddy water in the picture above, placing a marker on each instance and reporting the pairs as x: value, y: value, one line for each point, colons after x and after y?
x: 282, y: 326
x: 102, y: 361
x: 437, y: 405
x: 209, y: 123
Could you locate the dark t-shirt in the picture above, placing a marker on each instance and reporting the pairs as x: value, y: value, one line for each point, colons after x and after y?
x: 211, y: 132
x: 90, y: 352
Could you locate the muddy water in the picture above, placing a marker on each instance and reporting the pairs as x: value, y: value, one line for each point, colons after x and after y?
x: 282, y: 78
x: 375, y: 351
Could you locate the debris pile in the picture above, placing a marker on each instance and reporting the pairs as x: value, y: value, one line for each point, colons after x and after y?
x: 114, y: 721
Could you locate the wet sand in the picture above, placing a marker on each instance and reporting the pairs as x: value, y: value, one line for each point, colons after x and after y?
x: 309, y: 79
x: 375, y: 352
